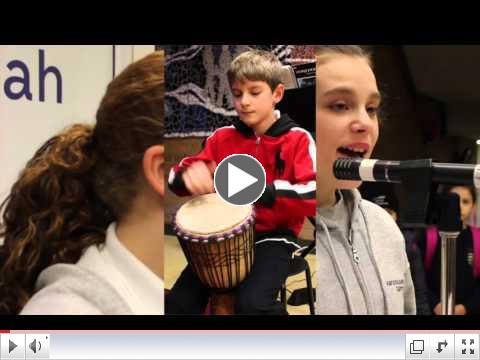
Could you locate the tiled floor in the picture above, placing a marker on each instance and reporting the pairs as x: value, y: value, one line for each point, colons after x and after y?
x: 175, y: 262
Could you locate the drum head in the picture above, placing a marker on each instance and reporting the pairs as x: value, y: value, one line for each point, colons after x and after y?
x: 209, y: 214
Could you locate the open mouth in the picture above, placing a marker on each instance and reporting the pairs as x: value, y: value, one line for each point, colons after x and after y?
x: 352, y: 152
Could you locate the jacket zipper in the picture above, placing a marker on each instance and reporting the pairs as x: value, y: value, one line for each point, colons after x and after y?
x: 355, y: 257
x: 257, y: 144
x: 356, y: 260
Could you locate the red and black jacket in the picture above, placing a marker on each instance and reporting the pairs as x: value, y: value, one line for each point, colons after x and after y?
x: 288, y: 155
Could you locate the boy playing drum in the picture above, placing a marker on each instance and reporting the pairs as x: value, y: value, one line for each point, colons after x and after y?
x: 288, y: 155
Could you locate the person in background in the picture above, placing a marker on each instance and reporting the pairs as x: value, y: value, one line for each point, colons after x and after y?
x: 467, y: 295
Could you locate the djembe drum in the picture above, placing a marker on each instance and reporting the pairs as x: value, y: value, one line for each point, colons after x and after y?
x: 217, y: 240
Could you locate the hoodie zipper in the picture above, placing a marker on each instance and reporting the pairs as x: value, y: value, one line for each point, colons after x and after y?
x: 355, y: 257
x: 257, y: 145
x: 361, y: 278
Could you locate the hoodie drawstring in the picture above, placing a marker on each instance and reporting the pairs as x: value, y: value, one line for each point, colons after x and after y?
x: 336, y: 265
x: 370, y: 253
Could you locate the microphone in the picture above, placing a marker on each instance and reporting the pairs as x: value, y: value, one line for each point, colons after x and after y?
x: 406, y: 171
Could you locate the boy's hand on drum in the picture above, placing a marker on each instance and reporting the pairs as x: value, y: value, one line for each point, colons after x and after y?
x: 198, y: 177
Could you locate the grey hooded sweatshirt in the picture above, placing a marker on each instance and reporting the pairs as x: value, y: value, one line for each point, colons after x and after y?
x: 66, y: 289
x: 107, y: 280
x: 362, y: 266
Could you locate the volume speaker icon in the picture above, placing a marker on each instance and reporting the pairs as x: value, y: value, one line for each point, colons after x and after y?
x: 35, y: 346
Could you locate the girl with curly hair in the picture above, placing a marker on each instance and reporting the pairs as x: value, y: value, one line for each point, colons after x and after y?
x: 83, y: 224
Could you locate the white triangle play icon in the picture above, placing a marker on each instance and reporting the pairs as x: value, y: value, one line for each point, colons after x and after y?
x: 238, y: 180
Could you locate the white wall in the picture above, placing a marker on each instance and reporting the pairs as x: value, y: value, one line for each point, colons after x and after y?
x: 126, y: 54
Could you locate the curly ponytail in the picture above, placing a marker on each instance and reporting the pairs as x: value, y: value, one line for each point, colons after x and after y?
x: 51, y: 214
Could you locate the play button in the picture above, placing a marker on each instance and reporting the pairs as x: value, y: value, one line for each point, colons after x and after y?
x: 239, y: 179
x: 11, y: 346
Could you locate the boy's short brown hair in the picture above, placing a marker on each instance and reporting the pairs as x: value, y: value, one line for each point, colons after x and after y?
x: 256, y: 65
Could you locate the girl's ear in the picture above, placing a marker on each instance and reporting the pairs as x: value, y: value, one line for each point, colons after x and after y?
x: 153, y: 162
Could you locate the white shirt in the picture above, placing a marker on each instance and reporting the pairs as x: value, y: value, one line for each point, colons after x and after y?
x: 141, y: 289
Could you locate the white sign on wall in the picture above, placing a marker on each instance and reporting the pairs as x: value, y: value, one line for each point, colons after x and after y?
x: 44, y: 89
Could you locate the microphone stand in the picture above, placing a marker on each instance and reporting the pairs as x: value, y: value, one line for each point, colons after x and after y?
x: 449, y: 227
x: 449, y: 224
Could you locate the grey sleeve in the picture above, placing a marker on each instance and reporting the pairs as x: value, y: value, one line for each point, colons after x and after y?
x: 58, y: 302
